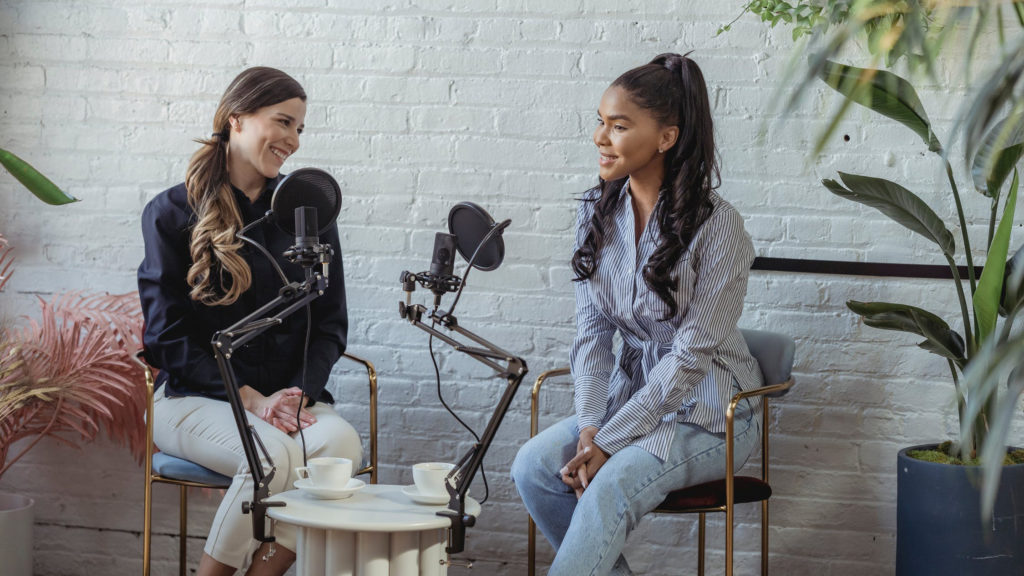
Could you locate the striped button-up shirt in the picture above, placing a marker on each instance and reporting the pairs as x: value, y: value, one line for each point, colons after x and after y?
x: 677, y: 370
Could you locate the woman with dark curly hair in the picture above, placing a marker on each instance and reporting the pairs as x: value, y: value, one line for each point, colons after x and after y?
x: 661, y: 260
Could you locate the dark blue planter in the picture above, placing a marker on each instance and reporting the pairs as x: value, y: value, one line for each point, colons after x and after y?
x: 938, y: 516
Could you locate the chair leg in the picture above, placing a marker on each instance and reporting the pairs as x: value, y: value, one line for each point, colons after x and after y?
x: 147, y: 528
x: 700, y: 546
x: 182, y: 528
x: 728, y: 542
x: 764, y: 538
x: 531, y: 546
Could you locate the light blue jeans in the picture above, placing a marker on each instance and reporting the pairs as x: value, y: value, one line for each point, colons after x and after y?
x: 589, y: 534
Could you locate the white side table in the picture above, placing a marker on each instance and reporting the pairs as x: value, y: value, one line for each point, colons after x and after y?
x: 378, y: 531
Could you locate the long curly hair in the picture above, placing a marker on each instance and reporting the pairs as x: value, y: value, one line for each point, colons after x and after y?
x: 219, y: 273
x: 672, y: 88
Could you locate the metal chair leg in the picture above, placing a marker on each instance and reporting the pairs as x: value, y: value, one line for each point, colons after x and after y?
x: 764, y: 538
x: 147, y: 527
x: 531, y: 554
x: 183, y: 528
x: 700, y: 546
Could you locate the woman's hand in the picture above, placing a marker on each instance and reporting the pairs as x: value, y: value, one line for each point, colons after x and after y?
x: 589, y: 458
x: 279, y: 409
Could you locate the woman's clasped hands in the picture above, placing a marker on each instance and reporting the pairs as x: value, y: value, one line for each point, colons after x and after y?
x: 280, y: 408
x: 589, y: 458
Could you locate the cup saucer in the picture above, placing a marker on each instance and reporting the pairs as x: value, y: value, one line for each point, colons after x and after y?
x: 412, y: 492
x: 322, y: 493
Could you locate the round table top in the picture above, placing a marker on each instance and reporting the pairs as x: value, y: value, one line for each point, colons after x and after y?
x: 374, y: 508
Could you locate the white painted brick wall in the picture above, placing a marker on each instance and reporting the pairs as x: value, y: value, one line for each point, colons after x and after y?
x: 414, y: 106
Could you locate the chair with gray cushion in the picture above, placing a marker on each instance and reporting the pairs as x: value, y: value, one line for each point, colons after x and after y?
x: 774, y: 353
x: 166, y: 469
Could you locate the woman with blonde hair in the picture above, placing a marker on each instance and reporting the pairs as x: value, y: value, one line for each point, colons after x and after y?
x: 197, y: 277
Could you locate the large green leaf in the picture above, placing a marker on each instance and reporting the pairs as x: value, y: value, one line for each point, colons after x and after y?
x: 995, y: 364
x: 1013, y: 284
x: 979, y: 112
x: 883, y: 92
x: 896, y: 202
x: 940, y: 338
x: 990, y: 286
x: 31, y: 178
x: 999, y: 153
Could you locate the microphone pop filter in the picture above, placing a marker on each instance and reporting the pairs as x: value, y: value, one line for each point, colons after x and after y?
x: 470, y: 223
x: 310, y: 187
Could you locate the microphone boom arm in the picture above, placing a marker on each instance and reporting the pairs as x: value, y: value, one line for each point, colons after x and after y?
x: 294, y: 296
x: 514, y: 370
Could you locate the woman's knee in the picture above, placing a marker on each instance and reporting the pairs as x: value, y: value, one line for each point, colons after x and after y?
x: 337, y: 438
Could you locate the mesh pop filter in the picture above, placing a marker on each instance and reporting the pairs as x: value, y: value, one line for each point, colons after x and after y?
x: 470, y: 223
x: 306, y: 187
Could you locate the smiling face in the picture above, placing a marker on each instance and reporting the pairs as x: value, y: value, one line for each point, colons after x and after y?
x: 260, y: 142
x: 629, y: 138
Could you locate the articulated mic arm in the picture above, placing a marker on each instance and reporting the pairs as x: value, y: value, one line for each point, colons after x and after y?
x: 506, y: 364
x: 293, y: 296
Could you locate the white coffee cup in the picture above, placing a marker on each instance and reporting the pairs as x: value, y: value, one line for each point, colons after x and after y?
x: 429, y: 477
x: 326, y: 472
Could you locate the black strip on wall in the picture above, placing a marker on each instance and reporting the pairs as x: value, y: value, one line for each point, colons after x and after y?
x: 859, y: 268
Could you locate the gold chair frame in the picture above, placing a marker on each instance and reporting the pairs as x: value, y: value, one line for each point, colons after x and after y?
x: 184, y: 485
x: 764, y: 391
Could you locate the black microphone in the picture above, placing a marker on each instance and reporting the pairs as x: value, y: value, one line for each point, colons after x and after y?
x: 442, y: 263
x: 313, y: 198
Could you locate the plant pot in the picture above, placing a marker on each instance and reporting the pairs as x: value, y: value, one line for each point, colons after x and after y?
x: 16, y: 517
x: 938, y: 520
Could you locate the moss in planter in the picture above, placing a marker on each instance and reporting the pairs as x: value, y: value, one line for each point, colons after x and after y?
x: 941, y: 455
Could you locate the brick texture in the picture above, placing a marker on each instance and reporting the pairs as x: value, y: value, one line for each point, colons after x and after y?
x: 416, y: 105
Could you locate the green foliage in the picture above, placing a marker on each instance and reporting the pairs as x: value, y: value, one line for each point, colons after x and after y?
x: 32, y: 179
x: 990, y: 353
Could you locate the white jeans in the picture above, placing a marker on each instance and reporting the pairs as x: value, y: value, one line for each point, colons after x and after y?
x: 203, y: 431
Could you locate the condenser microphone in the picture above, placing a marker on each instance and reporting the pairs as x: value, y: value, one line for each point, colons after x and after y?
x: 442, y: 263
x: 306, y: 233
x: 305, y: 205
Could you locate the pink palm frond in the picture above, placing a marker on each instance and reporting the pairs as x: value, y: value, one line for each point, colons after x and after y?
x: 6, y: 261
x: 71, y: 374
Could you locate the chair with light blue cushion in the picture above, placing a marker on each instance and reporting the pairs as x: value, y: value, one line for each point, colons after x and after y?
x: 774, y: 354
x: 167, y: 469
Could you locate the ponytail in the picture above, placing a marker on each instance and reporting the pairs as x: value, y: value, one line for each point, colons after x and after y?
x: 218, y: 274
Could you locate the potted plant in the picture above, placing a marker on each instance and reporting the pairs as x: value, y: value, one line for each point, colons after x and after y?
x: 940, y: 509
x: 65, y: 376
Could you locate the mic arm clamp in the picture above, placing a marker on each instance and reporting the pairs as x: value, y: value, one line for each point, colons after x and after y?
x: 308, y: 256
x: 512, y: 368
x: 293, y: 296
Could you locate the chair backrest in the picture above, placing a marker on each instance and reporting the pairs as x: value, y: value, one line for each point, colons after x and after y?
x: 774, y: 353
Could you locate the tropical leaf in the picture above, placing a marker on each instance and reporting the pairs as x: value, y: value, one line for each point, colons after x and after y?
x: 1013, y: 284
x: 979, y: 113
x: 995, y: 363
x: 940, y: 338
x: 884, y: 93
x: 897, y: 203
x: 6, y: 261
x: 999, y: 153
x: 990, y: 287
x: 32, y: 179
x: 72, y: 373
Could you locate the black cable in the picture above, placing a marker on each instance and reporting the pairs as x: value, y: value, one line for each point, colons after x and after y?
x: 305, y: 362
x: 437, y: 377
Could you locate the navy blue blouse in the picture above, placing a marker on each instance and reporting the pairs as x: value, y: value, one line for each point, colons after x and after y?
x: 178, y: 329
